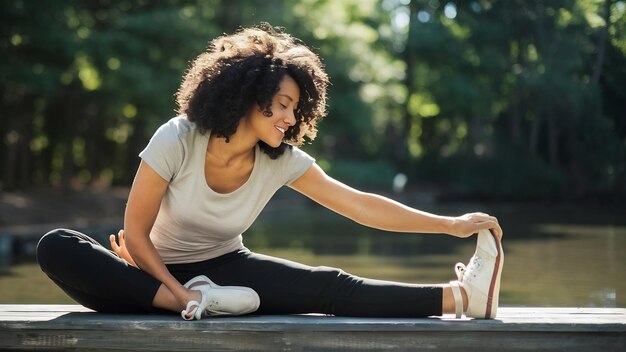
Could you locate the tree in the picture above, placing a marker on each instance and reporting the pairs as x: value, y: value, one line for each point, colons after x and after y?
x: 437, y: 89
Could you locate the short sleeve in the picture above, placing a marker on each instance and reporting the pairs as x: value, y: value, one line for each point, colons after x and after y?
x: 293, y: 164
x: 164, y: 153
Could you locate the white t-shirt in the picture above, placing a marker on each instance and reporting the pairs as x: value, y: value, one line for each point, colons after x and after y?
x: 194, y: 222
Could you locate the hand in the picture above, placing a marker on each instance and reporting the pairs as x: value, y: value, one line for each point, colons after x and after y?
x: 469, y: 224
x: 120, y: 249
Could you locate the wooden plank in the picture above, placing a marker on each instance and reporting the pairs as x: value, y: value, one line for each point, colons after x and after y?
x: 62, y: 327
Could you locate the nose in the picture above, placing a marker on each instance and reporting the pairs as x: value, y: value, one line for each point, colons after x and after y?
x: 290, y: 118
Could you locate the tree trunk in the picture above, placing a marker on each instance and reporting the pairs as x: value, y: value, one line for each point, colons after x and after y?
x: 553, y: 140
x: 10, y: 163
x: 515, y: 117
x: 597, y: 70
x: 25, y: 156
x: 401, y: 153
x: 515, y: 122
x: 67, y: 172
x: 533, y: 140
x: 17, y: 158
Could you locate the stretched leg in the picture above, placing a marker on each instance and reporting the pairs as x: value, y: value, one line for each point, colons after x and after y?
x: 97, y: 278
x: 286, y: 287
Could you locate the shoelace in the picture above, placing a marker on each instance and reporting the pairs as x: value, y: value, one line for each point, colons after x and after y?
x: 472, y: 268
x: 459, y: 269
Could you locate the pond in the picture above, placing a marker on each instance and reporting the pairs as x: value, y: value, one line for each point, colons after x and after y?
x: 555, y: 254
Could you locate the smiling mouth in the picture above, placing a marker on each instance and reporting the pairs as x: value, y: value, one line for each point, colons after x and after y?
x: 282, y: 130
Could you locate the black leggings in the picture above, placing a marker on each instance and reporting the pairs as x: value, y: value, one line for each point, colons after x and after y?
x: 98, y: 279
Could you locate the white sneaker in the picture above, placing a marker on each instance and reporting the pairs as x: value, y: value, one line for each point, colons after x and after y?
x: 480, y: 279
x: 220, y: 300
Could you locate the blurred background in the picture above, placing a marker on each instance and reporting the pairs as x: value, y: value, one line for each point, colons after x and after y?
x: 516, y: 108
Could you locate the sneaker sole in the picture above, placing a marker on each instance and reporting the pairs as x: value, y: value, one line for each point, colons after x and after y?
x: 494, y: 286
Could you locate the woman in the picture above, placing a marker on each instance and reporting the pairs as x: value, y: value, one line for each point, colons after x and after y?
x: 206, y: 175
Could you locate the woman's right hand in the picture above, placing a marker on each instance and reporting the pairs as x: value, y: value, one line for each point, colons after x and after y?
x: 469, y: 224
x: 120, y: 249
x: 182, y: 294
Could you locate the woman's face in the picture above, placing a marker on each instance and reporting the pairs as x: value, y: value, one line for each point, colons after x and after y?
x: 271, y: 130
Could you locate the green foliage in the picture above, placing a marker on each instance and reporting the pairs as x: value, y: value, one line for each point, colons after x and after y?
x: 511, y: 175
x: 519, y: 76
x: 370, y: 174
x: 436, y: 89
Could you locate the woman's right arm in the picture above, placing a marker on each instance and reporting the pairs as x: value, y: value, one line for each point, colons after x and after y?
x: 141, y: 212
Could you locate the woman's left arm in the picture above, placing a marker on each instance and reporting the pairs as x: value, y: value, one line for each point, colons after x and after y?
x: 383, y: 213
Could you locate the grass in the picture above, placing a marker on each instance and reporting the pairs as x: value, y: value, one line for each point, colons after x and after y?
x: 26, y: 283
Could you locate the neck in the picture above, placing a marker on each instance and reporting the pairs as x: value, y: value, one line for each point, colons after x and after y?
x: 240, y: 144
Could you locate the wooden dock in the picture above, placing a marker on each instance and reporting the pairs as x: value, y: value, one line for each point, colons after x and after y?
x: 72, y: 327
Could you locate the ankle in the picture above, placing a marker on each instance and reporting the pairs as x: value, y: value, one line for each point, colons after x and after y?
x: 194, y: 295
x: 454, y: 299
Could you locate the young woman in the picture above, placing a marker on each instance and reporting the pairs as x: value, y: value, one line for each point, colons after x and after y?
x: 244, y: 107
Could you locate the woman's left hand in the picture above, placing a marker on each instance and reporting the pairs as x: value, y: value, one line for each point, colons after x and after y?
x: 469, y: 224
x: 120, y: 249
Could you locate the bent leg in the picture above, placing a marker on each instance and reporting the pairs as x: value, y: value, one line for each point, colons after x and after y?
x: 286, y: 287
x: 94, y: 276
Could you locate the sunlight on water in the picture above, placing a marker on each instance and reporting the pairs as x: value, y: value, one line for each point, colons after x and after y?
x: 584, y: 267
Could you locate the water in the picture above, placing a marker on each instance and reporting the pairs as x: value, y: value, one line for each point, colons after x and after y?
x: 555, y: 255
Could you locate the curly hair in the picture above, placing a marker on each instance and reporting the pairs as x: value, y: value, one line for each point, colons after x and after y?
x: 246, y: 67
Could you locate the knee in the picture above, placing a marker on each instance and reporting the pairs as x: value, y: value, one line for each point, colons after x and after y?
x: 50, y: 246
x: 329, y: 273
x: 335, y: 280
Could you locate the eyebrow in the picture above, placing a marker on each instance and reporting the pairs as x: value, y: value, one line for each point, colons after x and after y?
x: 285, y: 95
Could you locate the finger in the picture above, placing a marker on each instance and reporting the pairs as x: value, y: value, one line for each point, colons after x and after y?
x: 493, y: 226
x: 491, y: 218
x: 120, y: 235
x: 114, y: 245
x: 496, y: 230
x: 499, y: 231
x: 487, y: 217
